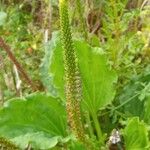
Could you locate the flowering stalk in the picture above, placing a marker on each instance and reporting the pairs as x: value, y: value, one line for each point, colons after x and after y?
x: 72, y: 78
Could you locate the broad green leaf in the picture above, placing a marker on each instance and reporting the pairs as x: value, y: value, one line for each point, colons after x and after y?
x: 36, y: 114
x: 136, y: 135
x: 96, y: 76
x: 3, y: 16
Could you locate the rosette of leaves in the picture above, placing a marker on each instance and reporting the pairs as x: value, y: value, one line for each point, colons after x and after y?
x: 96, y: 76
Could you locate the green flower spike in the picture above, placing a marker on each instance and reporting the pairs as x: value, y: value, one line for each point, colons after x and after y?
x: 72, y: 77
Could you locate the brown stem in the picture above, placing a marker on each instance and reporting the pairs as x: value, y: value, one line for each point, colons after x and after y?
x: 11, y: 56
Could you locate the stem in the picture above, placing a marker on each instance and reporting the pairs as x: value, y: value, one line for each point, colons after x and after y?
x: 78, y: 3
x: 90, y: 128
x: 6, y: 47
x: 116, y: 22
x: 97, y: 127
x: 1, y: 96
x: 121, y: 105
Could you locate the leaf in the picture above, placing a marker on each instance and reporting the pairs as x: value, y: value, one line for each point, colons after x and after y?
x: 57, y: 70
x: 37, y: 140
x: 3, y: 16
x: 46, y: 77
x: 136, y: 135
x: 132, y: 89
x: 38, y: 115
x: 96, y: 76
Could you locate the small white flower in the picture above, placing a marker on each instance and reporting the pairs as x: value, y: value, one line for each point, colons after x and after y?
x: 115, y: 137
